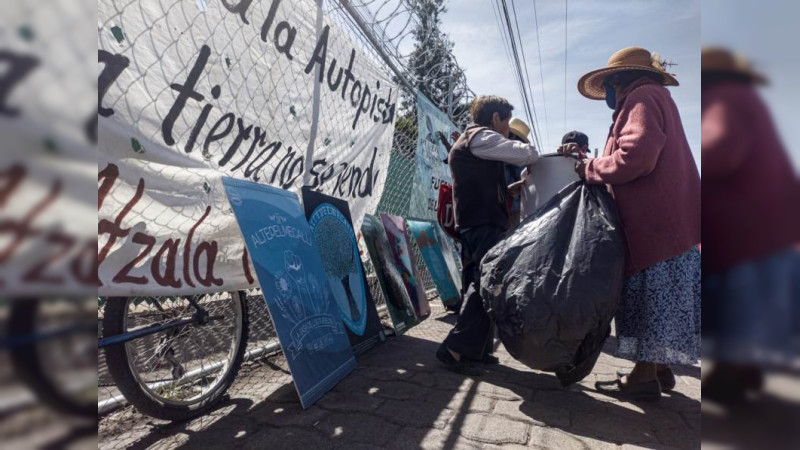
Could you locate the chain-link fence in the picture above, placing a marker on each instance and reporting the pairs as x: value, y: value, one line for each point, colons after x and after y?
x: 386, y: 31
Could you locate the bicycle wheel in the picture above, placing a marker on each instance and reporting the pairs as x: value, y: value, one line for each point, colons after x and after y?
x: 179, y: 372
x: 57, y: 357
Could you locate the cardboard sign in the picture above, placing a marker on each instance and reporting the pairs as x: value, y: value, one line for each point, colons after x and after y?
x: 330, y: 221
x: 404, y: 258
x: 432, y: 252
x: 389, y: 276
x: 286, y: 259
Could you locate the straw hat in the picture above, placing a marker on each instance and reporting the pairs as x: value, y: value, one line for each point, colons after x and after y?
x: 520, y: 129
x: 631, y: 58
x: 717, y: 59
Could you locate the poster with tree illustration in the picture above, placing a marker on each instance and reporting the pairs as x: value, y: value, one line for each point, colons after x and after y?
x: 400, y: 243
x: 388, y: 273
x: 330, y: 221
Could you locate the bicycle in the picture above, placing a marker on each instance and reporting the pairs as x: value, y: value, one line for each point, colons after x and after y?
x: 50, y: 343
x: 174, y: 358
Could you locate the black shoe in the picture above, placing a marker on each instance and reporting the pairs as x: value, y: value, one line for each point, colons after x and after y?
x: 443, y: 355
x: 729, y: 385
x: 489, y: 360
x: 665, y: 377
x: 648, y: 391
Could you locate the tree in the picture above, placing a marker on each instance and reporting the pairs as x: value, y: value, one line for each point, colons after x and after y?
x: 432, y: 67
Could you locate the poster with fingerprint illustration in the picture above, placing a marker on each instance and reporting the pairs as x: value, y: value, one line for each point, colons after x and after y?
x: 330, y: 221
x: 389, y: 276
x: 286, y: 260
x: 404, y: 257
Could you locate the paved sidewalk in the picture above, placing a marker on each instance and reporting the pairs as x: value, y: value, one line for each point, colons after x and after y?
x: 400, y: 397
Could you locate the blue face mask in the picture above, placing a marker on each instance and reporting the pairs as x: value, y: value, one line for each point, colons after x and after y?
x: 611, y: 96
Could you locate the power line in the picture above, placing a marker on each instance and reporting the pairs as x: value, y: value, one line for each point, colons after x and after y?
x: 502, y: 16
x: 504, y: 35
x: 541, y: 71
x: 506, y: 45
x: 566, y: 28
x: 515, y: 57
x: 526, y: 97
x: 535, y: 125
x: 496, y: 11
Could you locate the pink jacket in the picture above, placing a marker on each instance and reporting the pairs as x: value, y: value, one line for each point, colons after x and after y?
x: 751, y: 195
x: 652, y: 175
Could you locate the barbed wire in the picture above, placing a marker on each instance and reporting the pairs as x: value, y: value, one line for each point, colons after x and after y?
x: 390, y: 24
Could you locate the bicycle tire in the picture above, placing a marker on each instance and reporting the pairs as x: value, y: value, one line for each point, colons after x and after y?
x: 119, y: 367
x: 28, y: 364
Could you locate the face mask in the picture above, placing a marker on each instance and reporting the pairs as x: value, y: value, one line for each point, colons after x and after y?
x: 611, y: 96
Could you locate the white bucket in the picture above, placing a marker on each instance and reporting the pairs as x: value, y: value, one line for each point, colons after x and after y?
x: 550, y: 174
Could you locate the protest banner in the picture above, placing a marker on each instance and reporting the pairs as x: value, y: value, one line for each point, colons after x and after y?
x: 430, y: 158
x: 272, y: 92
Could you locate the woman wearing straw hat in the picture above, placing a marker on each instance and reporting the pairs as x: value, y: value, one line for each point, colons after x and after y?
x: 749, y: 230
x: 649, y: 169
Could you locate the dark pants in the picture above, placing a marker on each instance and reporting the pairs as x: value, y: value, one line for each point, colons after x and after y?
x: 473, y: 333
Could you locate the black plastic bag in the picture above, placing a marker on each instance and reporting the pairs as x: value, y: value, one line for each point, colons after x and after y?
x: 553, y: 284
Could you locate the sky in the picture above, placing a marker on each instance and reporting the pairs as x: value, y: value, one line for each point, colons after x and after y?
x: 596, y: 29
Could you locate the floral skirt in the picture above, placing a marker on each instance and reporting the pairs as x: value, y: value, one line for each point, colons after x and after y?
x: 753, y: 311
x: 659, y: 317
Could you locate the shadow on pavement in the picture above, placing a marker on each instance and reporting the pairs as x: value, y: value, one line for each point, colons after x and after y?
x: 401, y: 397
x: 221, y: 427
x: 767, y: 421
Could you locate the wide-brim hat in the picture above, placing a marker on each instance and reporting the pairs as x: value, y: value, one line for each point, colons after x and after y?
x: 720, y: 60
x: 631, y: 58
x: 520, y: 129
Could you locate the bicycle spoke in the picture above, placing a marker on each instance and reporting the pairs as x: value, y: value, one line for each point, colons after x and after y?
x: 183, y: 364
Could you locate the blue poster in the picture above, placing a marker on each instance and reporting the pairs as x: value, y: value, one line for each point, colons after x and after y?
x: 427, y: 240
x: 452, y: 255
x: 332, y: 226
x: 430, y: 159
x: 287, y: 263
